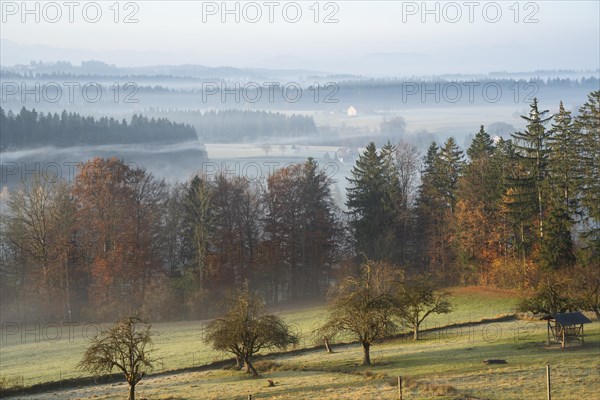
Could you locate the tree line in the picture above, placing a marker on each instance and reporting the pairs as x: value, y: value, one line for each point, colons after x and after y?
x: 227, y: 126
x: 120, y: 241
x: 28, y: 128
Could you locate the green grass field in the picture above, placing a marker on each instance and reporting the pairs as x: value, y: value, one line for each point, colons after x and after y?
x: 447, y: 363
x: 35, y: 359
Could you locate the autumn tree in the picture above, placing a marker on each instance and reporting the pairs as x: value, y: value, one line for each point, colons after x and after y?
x: 362, y: 306
x: 247, y: 328
x: 237, y: 210
x: 300, y: 231
x: 173, y: 232
x: 123, y: 347
x: 478, y: 219
x: 118, y: 221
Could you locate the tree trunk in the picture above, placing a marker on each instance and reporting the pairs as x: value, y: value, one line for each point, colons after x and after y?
x: 239, y: 362
x: 366, y: 354
x: 249, y: 369
x: 132, y: 391
x: 327, y: 347
x: 416, y: 332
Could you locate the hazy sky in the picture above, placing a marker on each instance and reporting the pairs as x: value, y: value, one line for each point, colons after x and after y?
x: 369, y: 37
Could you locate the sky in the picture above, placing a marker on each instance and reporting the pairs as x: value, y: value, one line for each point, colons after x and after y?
x: 374, y: 38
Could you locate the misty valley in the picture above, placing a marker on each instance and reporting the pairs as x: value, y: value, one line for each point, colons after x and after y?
x: 289, y: 200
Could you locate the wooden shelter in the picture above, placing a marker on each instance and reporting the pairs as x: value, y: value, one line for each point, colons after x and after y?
x: 565, y: 327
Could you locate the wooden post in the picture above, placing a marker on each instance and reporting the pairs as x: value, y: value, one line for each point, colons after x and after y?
x: 249, y: 397
x: 548, y: 387
x: 399, y: 387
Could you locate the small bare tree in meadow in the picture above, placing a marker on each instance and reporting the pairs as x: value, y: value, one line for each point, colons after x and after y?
x: 122, y: 346
x: 417, y: 298
x: 266, y: 148
x: 363, y: 306
x: 246, y: 328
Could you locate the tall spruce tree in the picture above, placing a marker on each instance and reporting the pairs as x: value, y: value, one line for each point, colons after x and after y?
x: 518, y: 203
x: 564, y: 161
x: 482, y: 145
x: 587, y: 123
x: 564, y: 179
x: 437, y: 202
x: 532, y: 151
x: 370, y: 203
x: 451, y: 164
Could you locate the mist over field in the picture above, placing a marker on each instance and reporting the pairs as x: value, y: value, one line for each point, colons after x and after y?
x: 308, y: 200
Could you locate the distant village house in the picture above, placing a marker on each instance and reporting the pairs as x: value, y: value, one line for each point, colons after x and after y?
x: 347, y: 154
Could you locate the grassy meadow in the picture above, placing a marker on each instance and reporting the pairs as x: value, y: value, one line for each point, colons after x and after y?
x: 447, y: 363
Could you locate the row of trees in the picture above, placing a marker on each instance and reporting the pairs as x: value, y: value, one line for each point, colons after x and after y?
x: 368, y: 307
x: 27, y: 129
x: 118, y: 240
x: 227, y: 126
x: 507, y: 210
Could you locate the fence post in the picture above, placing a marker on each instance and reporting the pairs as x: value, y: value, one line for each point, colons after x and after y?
x: 548, y: 387
x: 399, y: 387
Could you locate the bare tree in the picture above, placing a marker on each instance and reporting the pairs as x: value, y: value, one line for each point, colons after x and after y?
x: 419, y: 297
x: 266, y: 148
x: 363, y: 306
x: 38, y: 227
x: 408, y: 162
x: 246, y: 329
x: 123, y: 346
x: 553, y: 294
x: 586, y: 287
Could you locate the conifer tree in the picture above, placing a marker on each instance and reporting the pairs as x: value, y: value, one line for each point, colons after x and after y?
x: 365, y: 199
x: 479, y: 194
x: 588, y: 125
x: 437, y: 201
x: 564, y: 162
x: 532, y: 152
x: 372, y: 199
